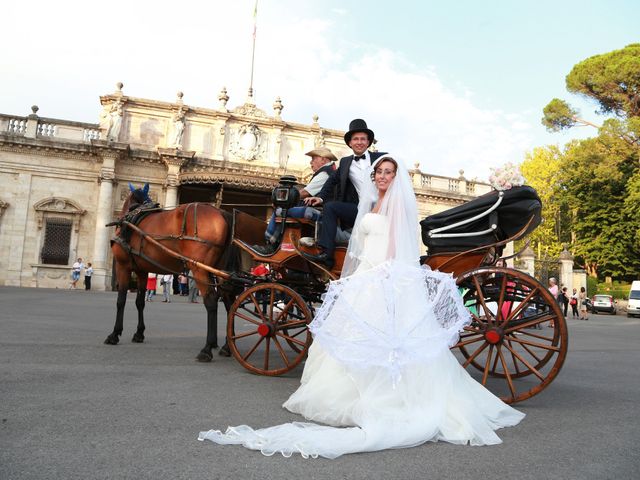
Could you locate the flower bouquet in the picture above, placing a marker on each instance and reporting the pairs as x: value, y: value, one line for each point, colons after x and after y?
x: 506, y: 177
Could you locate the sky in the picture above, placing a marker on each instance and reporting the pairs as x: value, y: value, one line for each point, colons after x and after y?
x: 449, y: 85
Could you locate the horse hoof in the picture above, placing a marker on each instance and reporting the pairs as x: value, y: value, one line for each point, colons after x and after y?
x: 204, y: 357
x: 111, y: 340
x: 137, y: 338
x: 224, y: 351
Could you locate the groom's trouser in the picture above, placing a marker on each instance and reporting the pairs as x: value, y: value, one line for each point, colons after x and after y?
x: 332, y: 213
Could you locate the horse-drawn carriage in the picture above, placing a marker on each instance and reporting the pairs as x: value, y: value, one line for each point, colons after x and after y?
x: 516, y: 342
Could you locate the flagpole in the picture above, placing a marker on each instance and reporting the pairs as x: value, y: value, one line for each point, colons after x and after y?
x: 253, y: 50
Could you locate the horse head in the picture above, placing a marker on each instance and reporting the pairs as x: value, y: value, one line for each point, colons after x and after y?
x: 138, y: 196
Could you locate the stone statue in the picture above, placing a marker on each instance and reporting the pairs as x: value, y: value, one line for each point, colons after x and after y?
x: 114, y: 122
x: 178, y: 129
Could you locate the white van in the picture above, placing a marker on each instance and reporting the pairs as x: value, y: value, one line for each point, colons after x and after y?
x: 633, y: 307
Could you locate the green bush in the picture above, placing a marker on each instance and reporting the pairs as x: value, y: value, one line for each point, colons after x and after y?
x: 592, y: 286
x: 619, y: 290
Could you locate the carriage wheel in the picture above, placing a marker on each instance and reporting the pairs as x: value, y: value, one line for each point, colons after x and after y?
x: 509, y: 339
x: 267, y: 329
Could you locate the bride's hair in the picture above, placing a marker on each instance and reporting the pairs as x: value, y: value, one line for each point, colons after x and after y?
x: 400, y: 208
x: 386, y: 159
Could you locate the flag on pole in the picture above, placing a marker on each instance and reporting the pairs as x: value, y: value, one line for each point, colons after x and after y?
x: 255, y: 19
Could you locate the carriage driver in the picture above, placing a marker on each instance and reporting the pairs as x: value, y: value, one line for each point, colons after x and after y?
x: 322, y: 165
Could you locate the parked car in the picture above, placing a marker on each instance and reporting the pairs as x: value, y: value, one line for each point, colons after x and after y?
x: 633, y: 306
x: 603, y: 303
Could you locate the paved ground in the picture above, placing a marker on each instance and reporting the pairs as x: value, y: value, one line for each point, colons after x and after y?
x: 71, y: 407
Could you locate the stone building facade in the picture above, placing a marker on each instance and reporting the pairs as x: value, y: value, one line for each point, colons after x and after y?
x: 62, y: 181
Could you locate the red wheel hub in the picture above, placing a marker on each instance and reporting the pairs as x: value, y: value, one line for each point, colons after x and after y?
x: 492, y: 336
x: 264, y: 330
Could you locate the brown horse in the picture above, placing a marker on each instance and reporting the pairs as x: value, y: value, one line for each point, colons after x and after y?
x: 197, y: 231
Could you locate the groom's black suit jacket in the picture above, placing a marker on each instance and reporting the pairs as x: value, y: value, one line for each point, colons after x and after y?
x: 340, y: 178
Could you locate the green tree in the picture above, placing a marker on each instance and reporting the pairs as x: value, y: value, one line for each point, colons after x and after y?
x: 612, y: 81
x: 597, y: 188
x: 542, y: 168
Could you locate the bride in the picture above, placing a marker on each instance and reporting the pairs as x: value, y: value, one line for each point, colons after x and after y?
x: 379, y: 372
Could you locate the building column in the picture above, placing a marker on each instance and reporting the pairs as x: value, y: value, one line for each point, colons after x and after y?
x: 104, y: 213
x: 566, y: 269
x: 174, y: 159
x: 527, y: 257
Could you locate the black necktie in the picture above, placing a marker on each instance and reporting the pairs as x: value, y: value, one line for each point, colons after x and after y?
x: 359, y: 157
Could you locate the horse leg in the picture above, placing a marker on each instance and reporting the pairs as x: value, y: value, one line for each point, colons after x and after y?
x: 123, y: 275
x: 210, y: 300
x: 138, y: 337
x: 227, y: 299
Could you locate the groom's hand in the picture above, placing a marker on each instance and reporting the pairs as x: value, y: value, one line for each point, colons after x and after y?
x: 312, y: 201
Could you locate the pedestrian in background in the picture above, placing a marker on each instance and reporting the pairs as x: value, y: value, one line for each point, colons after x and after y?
x: 167, y: 283
x: 564, y: 299
x: 553, y: 289
x: 193, y: 288
x: 182, y: 280
x: 574, y: 304
x: 582, y: 296
x: 152, y: 281
x: 75, y: 272
x: 88, y: 272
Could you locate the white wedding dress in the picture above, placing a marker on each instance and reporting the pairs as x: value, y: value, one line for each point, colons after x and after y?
x: 380, y: 373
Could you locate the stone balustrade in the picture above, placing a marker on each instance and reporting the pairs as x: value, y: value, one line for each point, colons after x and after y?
x: 49, y: 128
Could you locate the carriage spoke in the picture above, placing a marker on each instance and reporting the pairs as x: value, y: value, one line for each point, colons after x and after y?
x: 477, y: 338
x: 522, y: 305
x: 266, y: 353
x: 503, y: 288
x: 495, y: 361
x: 475, y: 354
x: 486, y: 365
x: 244, y: 335
x: 536, y: 335
x: 472, y: 329
x: 272, y: 297
x: 297, y: 323
x: 522, y: 341
x: 525, y: 363
x: 250, y: 352
x: 507, y: 374
x: 515, y: 363
x: 248, y: 319
x: 291, y: 338
x: 285, y: 359
x: 480, y: 297
x: 530, y: 352
x: 258, y: 308
x: 529, y: 323
x: 285, y: 311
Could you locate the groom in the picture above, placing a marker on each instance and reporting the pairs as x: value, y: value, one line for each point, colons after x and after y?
x: 351, y: 175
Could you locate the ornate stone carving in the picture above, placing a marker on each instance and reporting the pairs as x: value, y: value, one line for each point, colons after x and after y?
x: 319, y: 140
x: 248, y: 143
x: 60, y: 206
x: 250, y: 110
x: 223, y: 98
x: 3, y: 207
x: 277, y: 107
x: 172, y: 157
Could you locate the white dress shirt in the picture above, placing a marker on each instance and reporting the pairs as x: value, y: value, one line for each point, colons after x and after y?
x: 360, y: 171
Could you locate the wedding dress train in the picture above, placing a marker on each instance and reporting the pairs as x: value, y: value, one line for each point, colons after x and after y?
x: 379, y: 373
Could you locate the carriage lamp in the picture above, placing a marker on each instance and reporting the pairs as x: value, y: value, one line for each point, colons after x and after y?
x: 286, y: 195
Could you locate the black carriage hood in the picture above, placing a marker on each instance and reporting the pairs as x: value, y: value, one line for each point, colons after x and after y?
x: 518, y: 205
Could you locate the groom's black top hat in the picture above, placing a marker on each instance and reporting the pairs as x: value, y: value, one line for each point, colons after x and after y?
x: 358, y: 125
